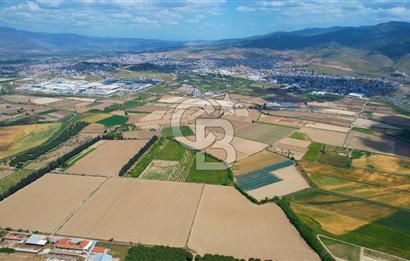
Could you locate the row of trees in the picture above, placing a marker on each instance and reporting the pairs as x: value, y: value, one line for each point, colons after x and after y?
x: 52, y: 165
x: 33, y: 153
x: 134, y: 159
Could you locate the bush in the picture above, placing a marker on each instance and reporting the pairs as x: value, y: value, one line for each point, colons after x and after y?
x: 7, y: 250
x: 163, y: 253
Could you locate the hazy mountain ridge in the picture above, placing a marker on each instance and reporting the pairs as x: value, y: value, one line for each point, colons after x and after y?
x: 13, y: 40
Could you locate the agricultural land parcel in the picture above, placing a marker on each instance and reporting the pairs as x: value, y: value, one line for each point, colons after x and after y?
x: 108, y: 158
x: 44, y: 204
x: 14, y: 139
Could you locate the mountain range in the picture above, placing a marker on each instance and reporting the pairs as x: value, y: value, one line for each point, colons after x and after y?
x: 387, y: 42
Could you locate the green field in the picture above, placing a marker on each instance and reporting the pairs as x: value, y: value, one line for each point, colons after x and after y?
x: 220, y: 177
x: 299, y: 136
x: 185, y: 130
x: 163, y: 253
x: 152, y: 153
x: 171, y: 151
x: 113, y: 120
x: 313, y: 152
x: 77, y: 157
x: 11, y: 180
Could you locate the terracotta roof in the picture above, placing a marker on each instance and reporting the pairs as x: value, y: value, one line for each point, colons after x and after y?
x: 16, y: 236
x: 99, y: 250
x: 65, y: 243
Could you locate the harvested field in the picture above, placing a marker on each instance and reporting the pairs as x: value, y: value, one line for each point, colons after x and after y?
x: 283, y: 121
x: 148, y: 108
x: 248, y: 115
x: 256, y: 161
x: 153, y: 116
x: 134, y: 210
x: 325, y: 136
x: 369, y: 142
x: 14, y: 139
x: 45, y: 100
x: 18, y: 98
x: 290, y: 181
x: 383, y: 163
x: 366, y: 123
x: 93, y: 129
x: 108, y: 158
x: 68, y: 104
x: 229, y: 229
x: 136, y: 118
x: 324, y: 126
x: 293, y: 147
x: 140, y: 134
x: 316, y: 117
x: 264, y: 133
x: 243, y: 147
x: 170, y: 99
x: 43, y: 205
x: 246, y: 99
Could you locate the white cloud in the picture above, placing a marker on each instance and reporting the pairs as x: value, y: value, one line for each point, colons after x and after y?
x: 244, y: 8
x: 398, y: 11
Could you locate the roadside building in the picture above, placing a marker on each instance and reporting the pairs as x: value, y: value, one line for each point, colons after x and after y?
x: 37, y: 240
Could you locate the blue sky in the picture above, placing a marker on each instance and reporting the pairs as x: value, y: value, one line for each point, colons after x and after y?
x: 193, y: 19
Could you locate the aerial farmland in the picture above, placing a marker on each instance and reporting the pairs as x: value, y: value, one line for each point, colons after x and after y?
x: 312, y: 178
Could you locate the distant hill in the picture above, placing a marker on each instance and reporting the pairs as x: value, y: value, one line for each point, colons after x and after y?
x: 16, y: 41
x: 391, y: 39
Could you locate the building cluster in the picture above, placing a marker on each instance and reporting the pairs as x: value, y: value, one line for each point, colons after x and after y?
x: 82, y: 87
x: 55, y: 246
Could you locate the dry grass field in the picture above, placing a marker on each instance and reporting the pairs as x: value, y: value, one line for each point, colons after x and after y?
x: 108, y: 158
x: 291, y: 181
x: 133, y: 210
x: 14, y: 139
x: 369, y: 142
x: 257, y: 161
x: 45, y: 100
x: 330, y: 127
x: 283, y: 121
x: 136, y: 118
x: 44, y: 204
x: 316, y: 117
x: 242, y: 229
x: 332, y: 222
x: 325, y: 136
x: 93, y: 129
x: 261, y: 132
x: 383, y: 163
x: 140, y: 134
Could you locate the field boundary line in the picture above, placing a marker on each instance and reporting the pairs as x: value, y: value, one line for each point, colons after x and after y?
x: 72, y: 213
x: 196, y: 214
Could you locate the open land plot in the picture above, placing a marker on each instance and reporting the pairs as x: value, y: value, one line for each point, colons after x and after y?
x: 140, y: 134
x: 135, y: 210
x: 159, y: 169
x: 18, y: 98
x: 242, y: 114
x: 335, y: 111
x: 67, y: 104
x: 44, y: 204
x: 294, y: 147
x: 108, y: 158
x: 330, y: 127
x: 290, y: 181
x: 367, y: 123
x: 316, y: 117
x: 283, y: 121
x: 153, y: 116
x: 228, y: 229
x: 325, y: 136
x: 136, y: 118
x: 93, y: 129
x: 400, y: 120
x: 245, y: 99
x: 45, y: 100
x: 14, y: 139
x: 256, y: 161
x: 369, y: 142
x: 264, y: 133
